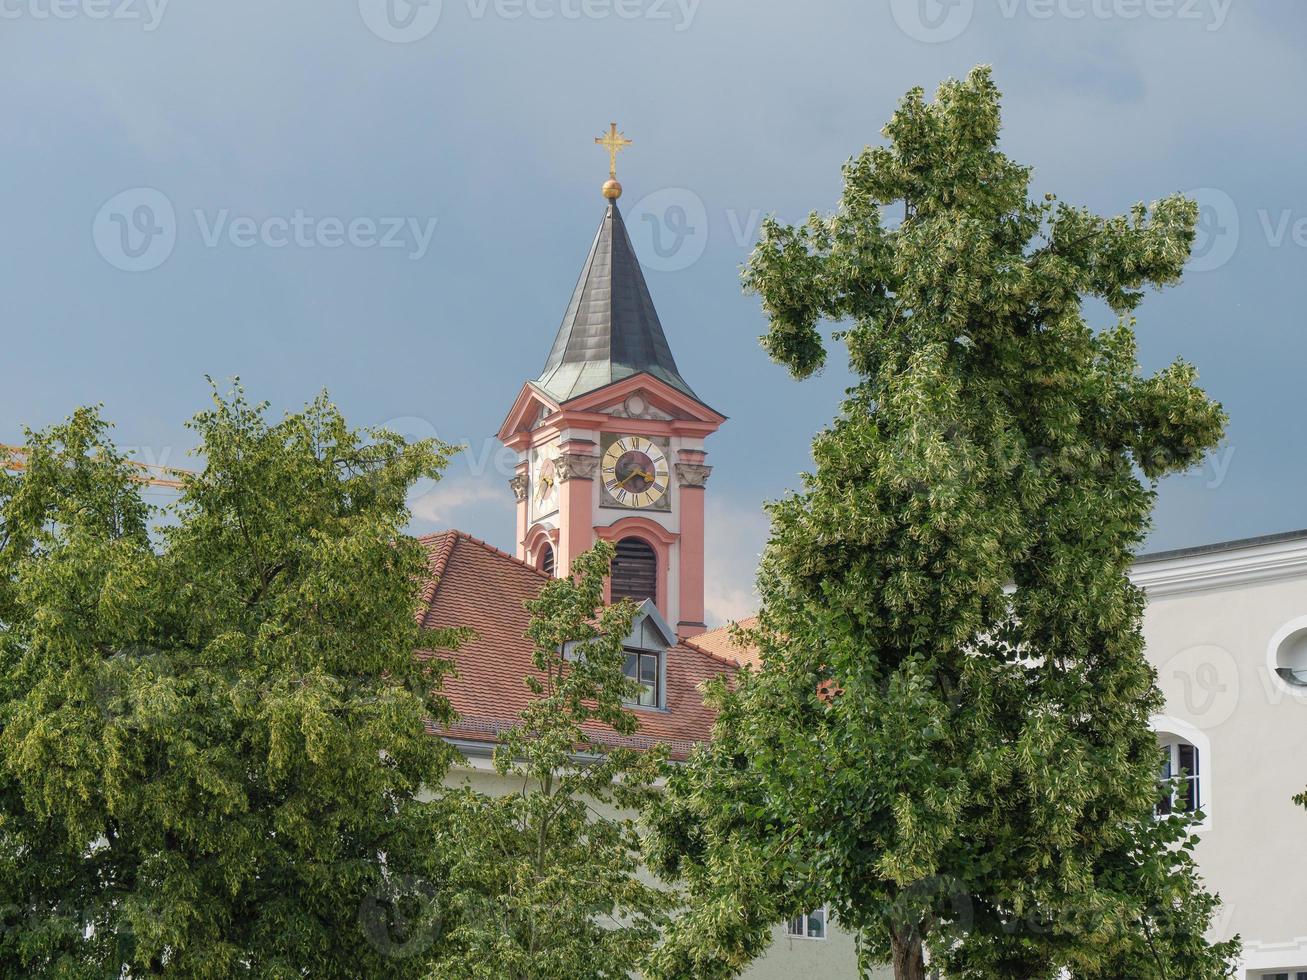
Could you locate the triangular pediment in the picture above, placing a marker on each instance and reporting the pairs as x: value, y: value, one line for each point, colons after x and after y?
x: 660, y: 401
x: 531, y: 407
x: 649, y: 631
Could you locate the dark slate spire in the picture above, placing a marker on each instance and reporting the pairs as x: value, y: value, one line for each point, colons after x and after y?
x: 611, y: 329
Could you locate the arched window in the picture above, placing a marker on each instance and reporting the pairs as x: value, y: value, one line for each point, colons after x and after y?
x: 1180, y: 760
x: 635, y: 571
x: 546, y: 559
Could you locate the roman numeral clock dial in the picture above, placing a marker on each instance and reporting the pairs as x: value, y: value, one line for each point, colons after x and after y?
x: 635, y: 472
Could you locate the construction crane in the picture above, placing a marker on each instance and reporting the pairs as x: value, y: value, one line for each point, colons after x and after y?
x: 14, y: 458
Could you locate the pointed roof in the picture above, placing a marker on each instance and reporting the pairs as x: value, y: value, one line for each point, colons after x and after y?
x: 611, y: 329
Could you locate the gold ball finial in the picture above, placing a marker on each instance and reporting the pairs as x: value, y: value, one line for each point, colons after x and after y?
x: 612, y: 189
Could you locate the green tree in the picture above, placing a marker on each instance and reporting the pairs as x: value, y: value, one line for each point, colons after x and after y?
x: 547, y: 879
x: 213, y: 734
x: 948, y: 740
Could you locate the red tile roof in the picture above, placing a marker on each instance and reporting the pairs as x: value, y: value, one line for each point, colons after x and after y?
x: 477, y: 585
x: 720, y: 643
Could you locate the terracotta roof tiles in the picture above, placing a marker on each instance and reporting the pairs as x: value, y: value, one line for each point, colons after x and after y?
x: 475, y: 584
x: 721, y: 644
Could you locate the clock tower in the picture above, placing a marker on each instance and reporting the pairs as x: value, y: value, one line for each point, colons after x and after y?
x: 610, y: 437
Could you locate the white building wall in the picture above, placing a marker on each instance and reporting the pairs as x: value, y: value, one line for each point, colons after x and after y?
x: 1211, y: 617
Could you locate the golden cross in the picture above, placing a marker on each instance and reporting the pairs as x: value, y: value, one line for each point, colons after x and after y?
x: 614, y: 142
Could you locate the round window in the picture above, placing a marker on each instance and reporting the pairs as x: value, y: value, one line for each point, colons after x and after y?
x: 1287, y: 656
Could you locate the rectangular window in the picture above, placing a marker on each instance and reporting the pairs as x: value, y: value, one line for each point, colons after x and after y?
x: 810, y: 926
x: 1180, y: 760
x: 643, y: 669
x: 1187, y: 795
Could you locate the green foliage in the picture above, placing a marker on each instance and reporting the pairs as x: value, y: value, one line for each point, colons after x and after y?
x: 213, y: 736
x: 981, y: 785
x: 546, y: 879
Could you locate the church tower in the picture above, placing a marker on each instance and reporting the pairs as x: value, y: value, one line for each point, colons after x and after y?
x: 610, y: 437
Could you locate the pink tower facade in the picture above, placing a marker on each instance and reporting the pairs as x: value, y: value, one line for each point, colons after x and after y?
x: 610, y: 442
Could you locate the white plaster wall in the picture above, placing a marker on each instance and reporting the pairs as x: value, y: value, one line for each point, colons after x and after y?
x: 1210, y: 650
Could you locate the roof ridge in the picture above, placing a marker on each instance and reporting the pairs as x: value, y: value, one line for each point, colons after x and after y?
x: 724, y: 661
x: 500, y: 552
x: 453, y: 533
x: 437, y: 559
x: 732, y: 623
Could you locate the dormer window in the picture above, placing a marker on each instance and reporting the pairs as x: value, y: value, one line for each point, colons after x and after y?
x: 646, y: 656
x: 646, y: 670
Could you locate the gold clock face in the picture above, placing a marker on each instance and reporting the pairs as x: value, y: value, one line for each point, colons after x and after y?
x: 635, y: 472
x: 544, y: 482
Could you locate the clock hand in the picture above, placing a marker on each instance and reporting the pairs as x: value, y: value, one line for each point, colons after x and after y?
x: 647, y: 477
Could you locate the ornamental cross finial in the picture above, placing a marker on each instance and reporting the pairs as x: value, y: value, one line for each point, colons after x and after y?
x: 614, y: 142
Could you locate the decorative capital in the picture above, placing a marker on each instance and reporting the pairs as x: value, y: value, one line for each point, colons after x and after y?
x: 692, y: 474
x: 519, y: 485
x: 576, y: 466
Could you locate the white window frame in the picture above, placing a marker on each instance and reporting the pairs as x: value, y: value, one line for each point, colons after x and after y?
x: 1171, y: 730
x: 1176, y: 770
x: 800, y: 926
x: 1273, y: 657
x: 659, y: 684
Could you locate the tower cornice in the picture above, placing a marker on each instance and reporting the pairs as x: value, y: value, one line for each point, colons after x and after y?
x: 666, y: 396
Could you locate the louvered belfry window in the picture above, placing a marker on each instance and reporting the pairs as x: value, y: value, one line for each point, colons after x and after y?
x: 635, y: 571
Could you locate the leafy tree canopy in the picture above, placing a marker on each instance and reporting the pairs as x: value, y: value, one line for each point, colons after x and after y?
x: 948, y: 740
x: 213, y: 735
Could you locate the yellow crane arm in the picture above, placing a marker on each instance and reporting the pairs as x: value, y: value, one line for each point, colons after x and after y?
x: 14, y: 458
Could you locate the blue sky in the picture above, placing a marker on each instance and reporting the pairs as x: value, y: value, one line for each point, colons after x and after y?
x: 392, y: 202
